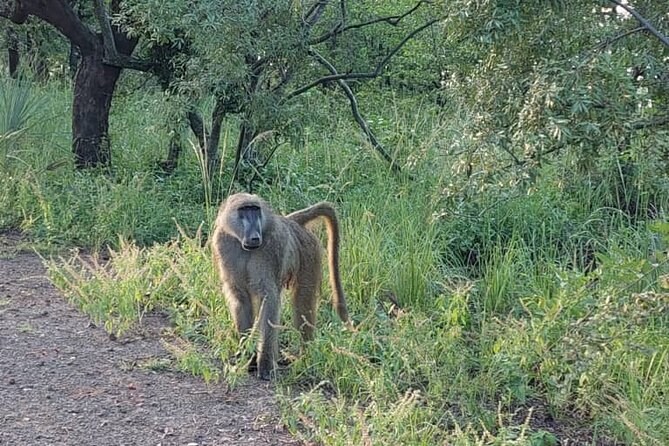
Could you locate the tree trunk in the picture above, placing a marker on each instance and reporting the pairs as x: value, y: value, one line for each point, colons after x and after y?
x: 213, y: 155
x: 93, y: 89
x: 173, y: 154
x: 244, y: 151
x: 94, y: 82
x: 208, y: 141
x: 13, y: 62
x: 13, y: 53
x: 197, y: 126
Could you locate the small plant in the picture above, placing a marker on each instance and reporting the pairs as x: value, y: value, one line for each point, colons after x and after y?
x: 18, y: 110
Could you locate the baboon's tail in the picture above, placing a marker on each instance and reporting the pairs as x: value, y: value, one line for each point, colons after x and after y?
x: 327, y: 211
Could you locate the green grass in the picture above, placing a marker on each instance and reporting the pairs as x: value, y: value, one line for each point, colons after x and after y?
x: 475, y: 315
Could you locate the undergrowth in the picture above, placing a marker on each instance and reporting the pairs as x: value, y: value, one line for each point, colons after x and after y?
x: 525, y: 315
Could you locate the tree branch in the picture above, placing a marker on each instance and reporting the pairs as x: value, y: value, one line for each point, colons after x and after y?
x: 535, y: 156
x: 314, y: 13
x: 57, y: 13
x: 343, y: 11
x: 656, y: 122
x: 515, y: 158
x: 633, y: 126
x: 646, y: 24
x: 611, y: 40
x: 105, y: 27
x: 341, y: 27
x: 356, y: 112
x: 370, y: 75
x: 112, y: 55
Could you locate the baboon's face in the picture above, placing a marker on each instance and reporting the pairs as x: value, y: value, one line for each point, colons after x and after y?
x: 251, y: 220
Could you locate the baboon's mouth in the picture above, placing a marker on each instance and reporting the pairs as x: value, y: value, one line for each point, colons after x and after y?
x: 248, y: 247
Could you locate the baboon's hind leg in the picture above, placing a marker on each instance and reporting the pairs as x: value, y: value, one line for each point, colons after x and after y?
x: 307, y: 288
x: 305, y: 306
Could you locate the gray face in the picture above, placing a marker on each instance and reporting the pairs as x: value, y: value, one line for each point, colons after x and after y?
x: 251, y: 219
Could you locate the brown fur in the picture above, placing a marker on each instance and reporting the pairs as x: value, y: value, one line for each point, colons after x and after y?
x: 289, y: 256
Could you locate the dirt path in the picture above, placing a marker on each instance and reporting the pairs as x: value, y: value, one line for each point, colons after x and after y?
x: 65, y: 382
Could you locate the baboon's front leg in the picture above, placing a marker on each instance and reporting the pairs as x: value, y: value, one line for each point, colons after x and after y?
x: 268, y: 321
x: 241, y: 308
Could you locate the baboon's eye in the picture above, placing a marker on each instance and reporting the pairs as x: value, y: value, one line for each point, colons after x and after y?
x: 250, y: 212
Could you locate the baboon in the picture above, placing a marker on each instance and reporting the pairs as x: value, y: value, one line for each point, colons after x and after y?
x: 258, y: 252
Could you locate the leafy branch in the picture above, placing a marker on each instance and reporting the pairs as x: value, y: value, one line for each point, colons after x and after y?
x: 611, y: 40
x: 641, y: 19
x: 112, y: 55
x: 359, y: 75
x: 356, y: 111
x: 341, y: 27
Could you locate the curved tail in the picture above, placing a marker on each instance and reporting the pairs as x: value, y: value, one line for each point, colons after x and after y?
x: 327, y: 211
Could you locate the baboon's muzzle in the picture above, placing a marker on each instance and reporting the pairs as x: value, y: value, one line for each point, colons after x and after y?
x: 251, y: 243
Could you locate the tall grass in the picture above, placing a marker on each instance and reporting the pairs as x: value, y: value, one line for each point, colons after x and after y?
x: 520, y: 316
x: 41, y: 194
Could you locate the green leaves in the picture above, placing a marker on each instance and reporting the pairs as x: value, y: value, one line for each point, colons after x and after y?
x: 18, y: 107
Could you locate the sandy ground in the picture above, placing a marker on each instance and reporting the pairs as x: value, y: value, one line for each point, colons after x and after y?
x: 63, y: 381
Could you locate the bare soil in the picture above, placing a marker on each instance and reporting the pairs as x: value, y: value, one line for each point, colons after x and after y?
x: 64, y: 381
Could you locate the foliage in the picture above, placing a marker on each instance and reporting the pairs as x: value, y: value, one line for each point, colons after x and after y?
x: 444, y: 351
x: 273, y: 54
x: 512, y: 289
x: 545, y: 78
x: 18, y: 107
x: 42, y: 51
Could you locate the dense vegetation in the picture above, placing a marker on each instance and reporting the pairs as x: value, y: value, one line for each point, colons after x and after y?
x: 510, y: 283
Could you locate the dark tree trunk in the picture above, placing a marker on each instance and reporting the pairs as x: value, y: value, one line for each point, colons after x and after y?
x: 244, y: 149
x: 94, y: 81
x: 93, y: 89
x: 197, y: 126
x: 173, y: 154
x: 208, y: 141
x: 13, y: 53
x: 213, y: 156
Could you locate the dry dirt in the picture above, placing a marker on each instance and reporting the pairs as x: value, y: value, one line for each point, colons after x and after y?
x: 63, y: 381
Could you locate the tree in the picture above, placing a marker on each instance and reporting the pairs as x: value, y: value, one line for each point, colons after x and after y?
x: 95, y: 79
x: 546, y: 79
x: 12, y: 52
x: 256, y: 58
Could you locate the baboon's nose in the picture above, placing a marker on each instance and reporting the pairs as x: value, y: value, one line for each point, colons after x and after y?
x: 252, y: 242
